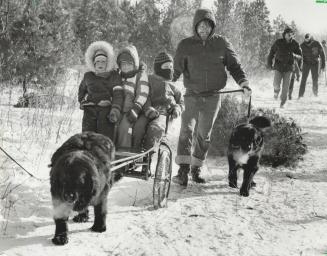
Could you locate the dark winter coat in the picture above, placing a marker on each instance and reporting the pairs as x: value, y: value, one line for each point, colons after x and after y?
x: 284, y: 54
x: 136, y: 87
x: 95, y: 88
x: 311, y: 52
x: 164, y: 95
x: 203, y: 63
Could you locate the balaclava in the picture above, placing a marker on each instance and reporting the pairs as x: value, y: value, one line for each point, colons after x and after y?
x: 160, y: 59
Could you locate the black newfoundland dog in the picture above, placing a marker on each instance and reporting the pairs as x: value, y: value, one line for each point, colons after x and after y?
x: 80, y: 176
x: 244, y: 151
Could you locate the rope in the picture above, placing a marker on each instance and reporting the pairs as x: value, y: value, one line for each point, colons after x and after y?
x: 11, y: 158
x: 249, y: 107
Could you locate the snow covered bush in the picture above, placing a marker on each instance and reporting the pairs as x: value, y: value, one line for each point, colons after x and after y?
x: 283, y: 142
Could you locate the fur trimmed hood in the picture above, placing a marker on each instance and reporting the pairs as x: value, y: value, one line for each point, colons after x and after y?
x: 131, y: 50
x: 93, y: 48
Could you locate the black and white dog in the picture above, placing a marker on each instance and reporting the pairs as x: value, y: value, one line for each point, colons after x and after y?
x: 244, y: 151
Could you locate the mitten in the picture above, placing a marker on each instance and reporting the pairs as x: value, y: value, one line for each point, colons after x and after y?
x: 269, y: 66
x: 104, y: 103
x: 114, y: 115
x: 85, y: 103
x: 176, y: 112
x: 246, y: 89
x: 151, y: 113
x: 132, y: 116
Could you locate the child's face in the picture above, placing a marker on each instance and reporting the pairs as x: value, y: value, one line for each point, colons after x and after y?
x: 126, y: 67
x: 167, y: 65
x: 100, y: 66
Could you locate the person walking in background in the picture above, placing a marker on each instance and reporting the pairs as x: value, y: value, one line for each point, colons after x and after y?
x: 324, y: 47
x: 312, y: 51
x: 202, y: 59
x: 284, y: 52
x: 295, y: 73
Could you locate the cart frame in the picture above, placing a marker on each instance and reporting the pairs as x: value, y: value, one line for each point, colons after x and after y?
x: 132, y: 160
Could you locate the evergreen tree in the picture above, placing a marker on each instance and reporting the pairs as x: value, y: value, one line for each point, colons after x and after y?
x: 40, y: 42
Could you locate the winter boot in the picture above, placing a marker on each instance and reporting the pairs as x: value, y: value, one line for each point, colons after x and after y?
x: 275, y: 95
x: 182, y: 176
x: 195, y: 171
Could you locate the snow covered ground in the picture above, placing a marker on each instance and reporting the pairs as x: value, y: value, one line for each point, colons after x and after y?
x: 286, y: 213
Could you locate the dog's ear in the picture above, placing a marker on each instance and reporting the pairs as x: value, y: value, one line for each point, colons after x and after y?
x: 258, y: 141
x: 260, y: 122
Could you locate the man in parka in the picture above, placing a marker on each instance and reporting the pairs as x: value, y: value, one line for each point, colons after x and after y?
x: 202, y: 59
x: 285, y: 52
x: 312, y: 50
x: 324, y: 47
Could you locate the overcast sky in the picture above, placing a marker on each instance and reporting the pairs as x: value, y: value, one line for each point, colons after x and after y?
x: 309, y: 16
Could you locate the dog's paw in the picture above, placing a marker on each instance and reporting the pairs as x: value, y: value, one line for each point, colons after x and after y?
x: 81, y: 218
x: 244, y: 192
x: 233, y: 184
x: 60, y: 239
x: 99, y: 229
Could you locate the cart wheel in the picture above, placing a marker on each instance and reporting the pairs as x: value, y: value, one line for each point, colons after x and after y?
x: 162, y: 178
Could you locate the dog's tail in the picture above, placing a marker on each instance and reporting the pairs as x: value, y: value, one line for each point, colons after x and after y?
x: 260, y: 122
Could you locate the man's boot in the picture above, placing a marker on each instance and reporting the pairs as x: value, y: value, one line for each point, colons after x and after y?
x: 182, y: 176
x: 195, y: 171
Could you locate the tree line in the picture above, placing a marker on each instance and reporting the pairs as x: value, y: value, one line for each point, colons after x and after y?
x: 39, y: 39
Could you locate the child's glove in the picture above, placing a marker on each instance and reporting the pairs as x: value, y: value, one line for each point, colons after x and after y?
x: 85, y: 103
x: 114, y: 115
x: 132, y: 116
x: 176, y: 112
x: 152, y: 113
x: 104, y: 103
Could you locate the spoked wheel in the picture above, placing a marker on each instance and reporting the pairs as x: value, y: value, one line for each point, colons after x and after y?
x: 162, y: 177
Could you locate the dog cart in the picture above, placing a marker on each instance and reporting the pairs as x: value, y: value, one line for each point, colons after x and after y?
x: 135, y: 163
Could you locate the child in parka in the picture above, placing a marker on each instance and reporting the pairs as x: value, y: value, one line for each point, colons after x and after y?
x: 100, y: 93
x: 136, y: 90
x: 164, y: 99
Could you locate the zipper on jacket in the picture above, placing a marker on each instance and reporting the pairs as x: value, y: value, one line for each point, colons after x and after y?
x: 207, y: 80
x: 206, y: 71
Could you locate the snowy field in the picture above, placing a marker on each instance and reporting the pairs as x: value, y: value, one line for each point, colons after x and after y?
x: 286, y: 213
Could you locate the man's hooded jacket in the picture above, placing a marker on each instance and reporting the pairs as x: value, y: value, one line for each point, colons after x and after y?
x: 284, y: 53
x: 203, y: 63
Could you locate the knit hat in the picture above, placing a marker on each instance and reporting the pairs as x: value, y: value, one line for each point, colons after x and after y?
x: 163, y: 57
x: 160, y: 59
